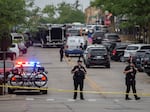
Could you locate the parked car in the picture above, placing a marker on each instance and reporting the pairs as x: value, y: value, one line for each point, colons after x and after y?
x: 138, y: 59
x: 97, y: 56
x: 8, y: 55
x: 97, y: 37
x: 72, y: 47
x: 146, y: 63
x: 133, y: 48
x: 22, y: 48
x: 14, y: 48
x: 87, y: 50
x: 117, y: 51
x: 111, y: 37
x: 9, y: 65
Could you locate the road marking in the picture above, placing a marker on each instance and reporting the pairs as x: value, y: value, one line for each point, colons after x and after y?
x: 91, y: 100
x: 70, y: 100
x: 50, y: 99
x: 29, y: 99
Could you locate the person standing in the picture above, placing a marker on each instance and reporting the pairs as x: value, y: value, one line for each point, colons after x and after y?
x: 81, y: 47
x: 130, y: 72
x: 61, y: 51
x: 79, y: 75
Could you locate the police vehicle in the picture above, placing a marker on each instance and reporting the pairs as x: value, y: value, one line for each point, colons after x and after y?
x: 28, y: 76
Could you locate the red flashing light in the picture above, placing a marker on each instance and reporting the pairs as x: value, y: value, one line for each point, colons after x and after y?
x: 43, y: 78
x: 13, y: 78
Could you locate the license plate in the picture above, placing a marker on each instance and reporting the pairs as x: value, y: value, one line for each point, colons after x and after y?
x: 100, y: 57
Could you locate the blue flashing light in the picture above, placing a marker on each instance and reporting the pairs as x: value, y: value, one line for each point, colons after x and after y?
x: 32, y: 62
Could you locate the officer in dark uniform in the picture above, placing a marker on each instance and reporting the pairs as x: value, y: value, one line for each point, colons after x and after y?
x: 61, y: 51
x: 130, y: 72
x: 78, y: 77
x: 81, y: 48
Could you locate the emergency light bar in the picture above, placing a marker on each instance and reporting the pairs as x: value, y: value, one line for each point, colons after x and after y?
x: 31, y: 62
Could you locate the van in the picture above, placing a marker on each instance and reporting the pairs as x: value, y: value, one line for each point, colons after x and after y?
x: 73, y: 45
x: 133, y: 48
x: 17, y: 37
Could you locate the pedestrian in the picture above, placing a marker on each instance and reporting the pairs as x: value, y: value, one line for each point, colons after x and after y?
x: 85, y: 45
x: 81, y: 47
x: 61, y: 51
x: 79, y: 75
x: 130, y: 80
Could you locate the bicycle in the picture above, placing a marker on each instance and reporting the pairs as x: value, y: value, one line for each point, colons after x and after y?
x: 38, y: 79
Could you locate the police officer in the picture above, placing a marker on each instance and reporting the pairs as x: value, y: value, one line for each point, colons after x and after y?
x: 78, y: 77
x: 130, y: 72
x: 81, y: 48
x: 61, y: 51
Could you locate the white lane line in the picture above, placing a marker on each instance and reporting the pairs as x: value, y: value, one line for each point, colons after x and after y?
x: 29, y: 99
x: 70, y: 100
x: 91, y: 100
x: 50, y: 99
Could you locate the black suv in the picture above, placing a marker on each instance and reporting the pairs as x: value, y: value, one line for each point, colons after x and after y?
x: 97, y: 56
x: 111, y: 37
x: 97, y: 37
x: 117, y: 51
x: 146, y: 62
x: 138, y: 59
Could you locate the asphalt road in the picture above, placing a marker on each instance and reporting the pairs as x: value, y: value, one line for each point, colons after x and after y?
x: 104, y: 88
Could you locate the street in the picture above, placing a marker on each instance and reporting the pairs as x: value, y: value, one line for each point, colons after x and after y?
x: 104, y: 88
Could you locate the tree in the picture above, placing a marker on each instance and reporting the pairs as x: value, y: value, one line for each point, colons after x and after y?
x: 69, y: 14
x: 136, y: 11
x: 62, y: 13
x: 12, y: 13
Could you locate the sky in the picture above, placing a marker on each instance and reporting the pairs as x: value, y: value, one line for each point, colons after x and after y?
x: 42, y: 3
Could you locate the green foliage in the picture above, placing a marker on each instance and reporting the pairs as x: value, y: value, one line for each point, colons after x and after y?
x: 12, y: 12
x: 63, y: 13
x: 49, y: 10
x: 137, y: 11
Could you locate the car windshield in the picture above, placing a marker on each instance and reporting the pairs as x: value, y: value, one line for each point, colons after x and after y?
x: 132, y: 47
x: 98, y: 34
x: 27, y: 69
x: 145, y: 47
x: 73, y: 32
x: 112, y: 36
x: 7, y: 65
x: 98, y: 51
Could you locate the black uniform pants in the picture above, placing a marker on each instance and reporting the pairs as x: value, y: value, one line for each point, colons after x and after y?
x: 79, y: 83
x: 129, y: 84
x: 61, y: 57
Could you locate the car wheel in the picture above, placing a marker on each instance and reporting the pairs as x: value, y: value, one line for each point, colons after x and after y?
x: 148, y: 74
x: 67, y: 55
x: 108, y: 66
x: 10, y: 91
x: 43, y: 91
